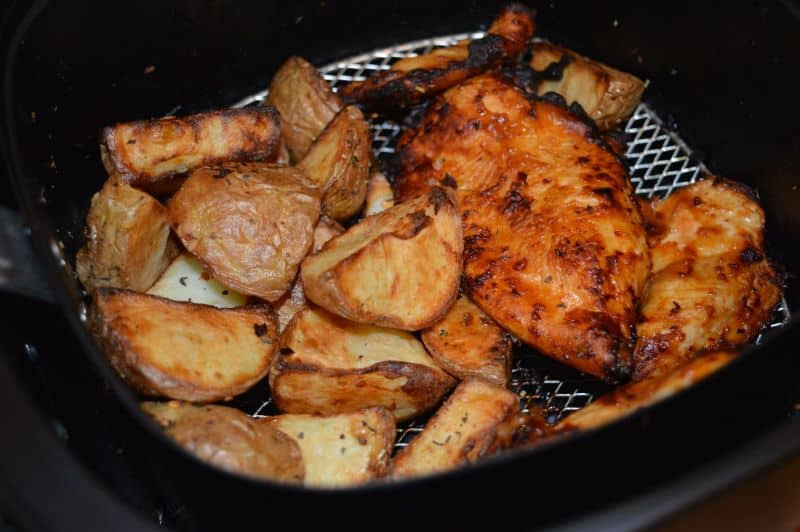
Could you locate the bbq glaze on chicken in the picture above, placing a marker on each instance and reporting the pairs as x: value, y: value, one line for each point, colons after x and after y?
x: 555, y: 248
x: 413, y: 79
x: 712, y: 286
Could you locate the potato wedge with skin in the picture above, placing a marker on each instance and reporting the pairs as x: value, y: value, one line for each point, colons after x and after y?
x: 294, y: 300
x: 338, y: 163
x: 128, y: 241
x: 400, y: 268
x: 341, y: 450
x: 182, y: 350
x: 146, y: 153
x: 328, y: 365
x: 305, y: 102
x: 477, y: 420
x: 468, y: 343
x: 185, y: 279
x: 607, y: 95
x: 230, y: 439
x: 250, y: 224
x: 379, y: 194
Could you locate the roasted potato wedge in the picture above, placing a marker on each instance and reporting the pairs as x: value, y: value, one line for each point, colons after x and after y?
x: 344, y: 449
x: 328, y: 365
x: 182, y: 350
x: 146, y: 153
x: 294, y: 300
x: 607, y: 95
x: 379, y: 194
x: 477, y: 420
x: 468, y: 343
x: 128, y: 242
x: 230, y: 439
x: 250, y: 224
x: 400, y: 268
x: 305, y: 102
x: 185, y: 279
x: 338, y: 163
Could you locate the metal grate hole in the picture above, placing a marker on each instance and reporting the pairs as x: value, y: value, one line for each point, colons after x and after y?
x: 659, y: 162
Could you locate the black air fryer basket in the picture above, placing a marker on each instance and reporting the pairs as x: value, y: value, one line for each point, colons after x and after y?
x: 79, y: 454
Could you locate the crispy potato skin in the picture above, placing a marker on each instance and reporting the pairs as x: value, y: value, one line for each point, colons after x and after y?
x: 230, y: 439
x: 712, y: 286
x: 379, y: 194
x: 305, y: 102
x: 468, y: 343
x: 181, y: 350
x: 341, y: 450
x: 128, y: 242
x: 477, y: 420
x: 250, y: 224
x: 146, y: 153
x: 555, y: 246
x: 328, y: 365
x: 294, y: 300
x: 413, y: 79
x: 607, y: 95
x: 338, y: 163
x: 400, y: 268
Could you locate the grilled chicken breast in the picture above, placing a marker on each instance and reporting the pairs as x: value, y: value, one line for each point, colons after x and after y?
x: 413, y: 79
x: 712, y: 286
x: 555, y: 248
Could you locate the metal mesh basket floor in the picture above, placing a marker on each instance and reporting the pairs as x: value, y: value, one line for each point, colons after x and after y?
x: 659, y: 162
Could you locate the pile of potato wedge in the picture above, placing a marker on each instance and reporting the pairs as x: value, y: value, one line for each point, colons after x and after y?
x: 216, y: 260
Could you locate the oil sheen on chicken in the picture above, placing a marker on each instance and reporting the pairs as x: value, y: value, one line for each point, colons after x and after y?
x: 712, y: 286
x: 555, y: 247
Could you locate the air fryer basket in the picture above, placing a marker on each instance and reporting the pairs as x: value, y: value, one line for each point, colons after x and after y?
x: 72, y: 69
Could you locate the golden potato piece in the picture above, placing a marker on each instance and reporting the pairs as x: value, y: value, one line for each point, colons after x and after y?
x: 230, y: 439
x: 468, y: 343
x: 400, y: 268
x: 477, y: 420
x: 250, y: 224
x: 128, y: 242
x: 607, y: 95
x: 328, y: 365
x: 338, y: 163
x: 182, y: 350
x: 147, y: 153
x: 294, y: 300
x: 379, y: 194
x: 185, y: 279
x: 344, y: 449
x: 305, y: 102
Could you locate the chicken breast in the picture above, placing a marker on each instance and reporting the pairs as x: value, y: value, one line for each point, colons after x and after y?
x: 555, y: 248
x: 413, y: 79
x: 712, y: 286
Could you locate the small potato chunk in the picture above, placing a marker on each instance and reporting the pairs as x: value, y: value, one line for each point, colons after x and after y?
x: 230, y: 439
x: 400, y: 268
x: 338, y: 163
x: 328, y: 365
x: 185, y: 279
x: 146, y: 153
x: 250, y: 224
x: 305, y: 102
x: 341, y: 450
x: 477, y: 420
x: 607, y: 95
x: 128, y: 241
x: 468, y: 343
x: 379, y: 194
x: 294, y: 300
x: 182, y: 350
